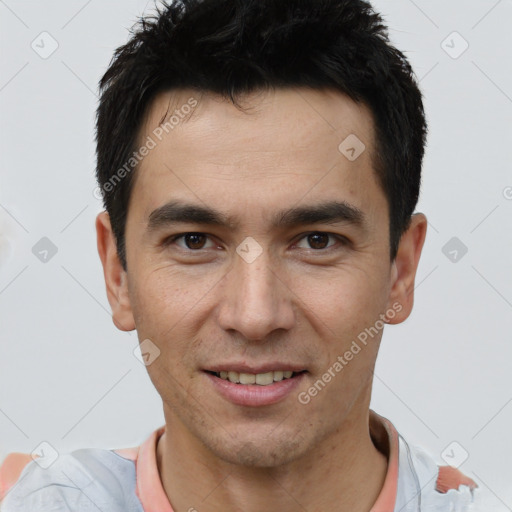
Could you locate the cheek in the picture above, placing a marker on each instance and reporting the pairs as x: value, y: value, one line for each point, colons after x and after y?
x: 164, y: 295
x: 168, y: 305
x: 155, y: 308
x: 345, y: 299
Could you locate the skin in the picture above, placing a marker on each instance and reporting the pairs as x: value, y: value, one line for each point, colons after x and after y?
x: 297, y: 302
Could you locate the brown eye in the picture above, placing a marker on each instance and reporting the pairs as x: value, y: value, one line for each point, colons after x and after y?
x: 190, y: 241
x: 194, y: 240
x: 318, y: 240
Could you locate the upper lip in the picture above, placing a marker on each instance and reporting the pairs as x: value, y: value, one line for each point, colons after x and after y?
x: 262, y: 368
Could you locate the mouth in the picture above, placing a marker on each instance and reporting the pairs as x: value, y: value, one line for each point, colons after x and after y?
x: 259, y: 379
x: 255, y: 389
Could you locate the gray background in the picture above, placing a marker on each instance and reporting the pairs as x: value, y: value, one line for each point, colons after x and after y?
x: 69, y: 377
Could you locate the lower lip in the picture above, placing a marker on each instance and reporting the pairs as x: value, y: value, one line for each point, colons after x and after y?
x: 254, y: 395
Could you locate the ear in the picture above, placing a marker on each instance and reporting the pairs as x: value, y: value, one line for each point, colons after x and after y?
x: 116, y: 278
x: 403, y: 272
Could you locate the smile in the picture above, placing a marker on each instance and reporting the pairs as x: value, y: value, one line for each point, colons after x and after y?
x: 261, y: 379
x: 255, y: 389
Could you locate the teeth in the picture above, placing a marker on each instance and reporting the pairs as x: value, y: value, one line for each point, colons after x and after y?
x: 234, y: 376
x: 262, y: 379
x: 247, y: 378
x: 279, y: 376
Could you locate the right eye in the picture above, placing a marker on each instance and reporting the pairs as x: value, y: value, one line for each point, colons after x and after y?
x: 191, y: 241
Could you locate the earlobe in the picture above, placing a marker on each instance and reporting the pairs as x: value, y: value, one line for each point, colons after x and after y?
x: 116, y: 279
x: 404, y: 268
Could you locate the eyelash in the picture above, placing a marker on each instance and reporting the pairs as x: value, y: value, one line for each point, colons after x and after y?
x: 341, y: 239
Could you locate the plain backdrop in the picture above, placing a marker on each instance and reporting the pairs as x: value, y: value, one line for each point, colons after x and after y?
x: 69, y: 377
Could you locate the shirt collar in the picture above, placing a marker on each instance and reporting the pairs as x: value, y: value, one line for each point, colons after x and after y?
x: 385, y: 438
x: 151, y: 493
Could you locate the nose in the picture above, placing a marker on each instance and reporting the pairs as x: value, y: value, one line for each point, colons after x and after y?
x: 256, y: 300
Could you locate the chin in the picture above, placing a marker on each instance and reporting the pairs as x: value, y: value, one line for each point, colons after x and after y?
x: 260, y: 449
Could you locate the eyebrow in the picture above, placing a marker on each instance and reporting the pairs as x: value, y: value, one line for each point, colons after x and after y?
x: 331, y: 212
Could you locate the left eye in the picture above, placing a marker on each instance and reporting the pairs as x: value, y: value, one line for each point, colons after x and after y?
x: 319, y: 240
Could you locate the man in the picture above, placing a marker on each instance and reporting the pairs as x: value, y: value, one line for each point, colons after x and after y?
x: 260, y: 164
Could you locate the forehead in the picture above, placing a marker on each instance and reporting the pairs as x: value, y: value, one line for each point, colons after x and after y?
x: 308, y: 115
x: 279, y: 148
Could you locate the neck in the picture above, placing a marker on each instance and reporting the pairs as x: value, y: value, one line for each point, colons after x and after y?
x: 344, y: 472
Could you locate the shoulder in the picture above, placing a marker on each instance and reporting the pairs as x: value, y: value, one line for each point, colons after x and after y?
x: 81, y: 480
x: 422, y: 482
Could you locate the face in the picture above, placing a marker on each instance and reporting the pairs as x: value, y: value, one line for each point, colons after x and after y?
x: 254, y: 245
